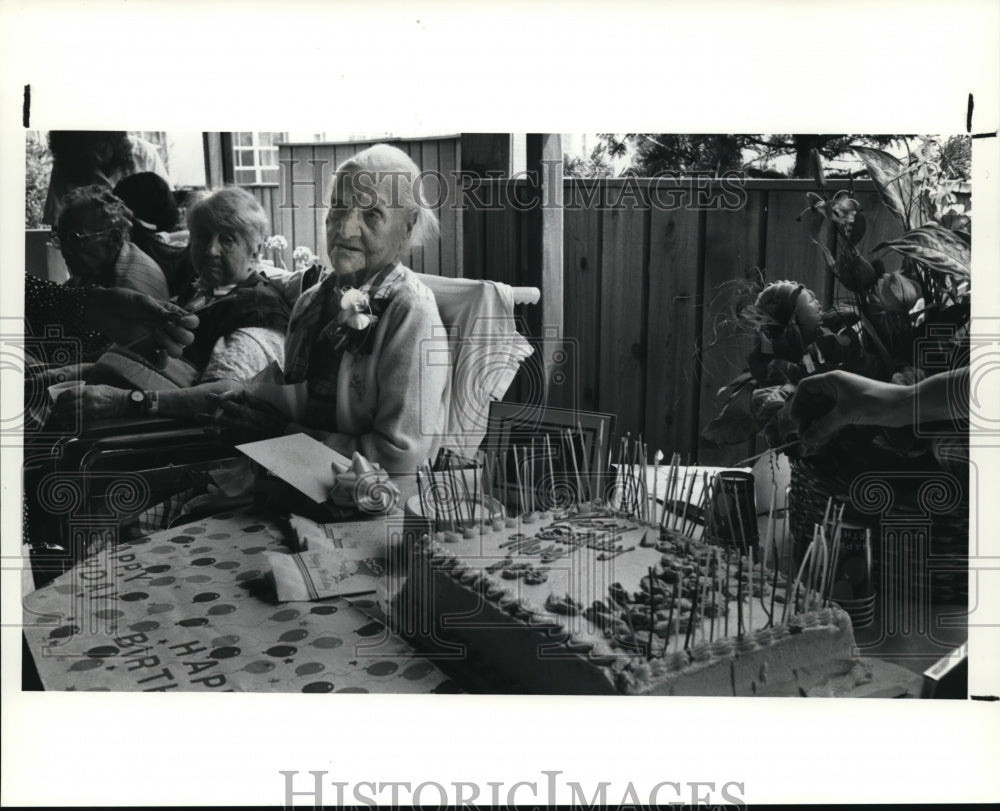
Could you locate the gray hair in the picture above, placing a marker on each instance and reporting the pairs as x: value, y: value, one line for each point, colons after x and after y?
x: 233, y: 210
x: 385, y: 160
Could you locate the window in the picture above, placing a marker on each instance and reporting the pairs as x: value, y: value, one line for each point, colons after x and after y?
x: 255, y: 157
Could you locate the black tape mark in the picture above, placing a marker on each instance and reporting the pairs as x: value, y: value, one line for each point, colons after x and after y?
x: 26, y: 107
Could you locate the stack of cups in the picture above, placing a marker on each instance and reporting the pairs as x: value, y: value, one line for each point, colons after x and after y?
x: 852, y: 586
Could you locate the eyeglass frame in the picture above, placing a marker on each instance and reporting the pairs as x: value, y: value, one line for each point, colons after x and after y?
x: 74, y: 239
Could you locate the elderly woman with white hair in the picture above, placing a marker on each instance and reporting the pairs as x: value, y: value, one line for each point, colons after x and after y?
x: 242, y: 323
x: 364, y: 339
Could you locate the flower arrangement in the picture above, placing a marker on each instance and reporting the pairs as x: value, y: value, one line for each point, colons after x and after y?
x: 881, y: 324
x: 303, y: 258
x: 275, y: 246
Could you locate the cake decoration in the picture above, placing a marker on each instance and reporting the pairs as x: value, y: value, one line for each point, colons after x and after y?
x: 619, y: 594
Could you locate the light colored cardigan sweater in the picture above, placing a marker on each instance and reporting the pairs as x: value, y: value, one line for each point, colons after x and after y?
x: 393, y: 404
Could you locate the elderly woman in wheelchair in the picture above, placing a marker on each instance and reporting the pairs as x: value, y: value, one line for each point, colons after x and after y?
x: 363, y: 340
x: 242, y: 321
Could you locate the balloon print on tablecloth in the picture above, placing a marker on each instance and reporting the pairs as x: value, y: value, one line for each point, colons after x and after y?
x: 103, y: 650
x: 323, y: 609
x: 228, y: 564
x: 327, y: 642
x: 225, y: 652
x: 109, y: 614
x: 371, y: 629
x: 296, y: 635
x: 205, y: 597
x: 163, y: 581
x: 286, y: 615
x: 250, y: 574
x: 159, y: 608
x: 193, y: 622
x: 182, y: 539
x: 310, y: 669
x: 319, y: 687
x: 161, y: 550
x: 223, y: 641
x: 221, y: 610
x: 203, y: 561
x: 160, y: 568
x: 353, y: 690
x: 254, y: 550
x: 144, y: 625
x: 86, y: 664
x: 417, y: 671
x: 198, y: 578
x: 281, y: 651
x: 254, y: 528
x: 259, y: 667
x: 218, y: 536
x: 382, y: 668
x: 133, y: 596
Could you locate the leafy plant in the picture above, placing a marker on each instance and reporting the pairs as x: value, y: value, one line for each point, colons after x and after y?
x: 37, y: 170
x: 877, y: 329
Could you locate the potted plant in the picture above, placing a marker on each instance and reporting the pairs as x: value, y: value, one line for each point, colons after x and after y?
x: 881, y: 326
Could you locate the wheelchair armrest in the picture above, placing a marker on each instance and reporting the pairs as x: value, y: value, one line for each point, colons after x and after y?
x: 170, y: 434
x: 116, y: 426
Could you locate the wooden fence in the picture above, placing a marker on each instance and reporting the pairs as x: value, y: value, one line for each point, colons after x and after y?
x: 651, y: 269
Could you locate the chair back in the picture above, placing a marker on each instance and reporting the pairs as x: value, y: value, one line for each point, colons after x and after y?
x: 486, y: 351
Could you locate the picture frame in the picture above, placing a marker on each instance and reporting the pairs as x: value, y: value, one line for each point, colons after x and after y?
x: 553, y: 456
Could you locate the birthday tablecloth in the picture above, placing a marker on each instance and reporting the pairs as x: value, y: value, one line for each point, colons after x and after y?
x: 189, y: 609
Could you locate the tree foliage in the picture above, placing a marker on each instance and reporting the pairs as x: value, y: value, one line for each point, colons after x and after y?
x: 664, y: 152
x: 38, y: 168
x: 597, y: 165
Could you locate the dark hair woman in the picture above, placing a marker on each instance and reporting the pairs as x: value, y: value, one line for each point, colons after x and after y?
x: 155, y: 212
x: 93, y: 236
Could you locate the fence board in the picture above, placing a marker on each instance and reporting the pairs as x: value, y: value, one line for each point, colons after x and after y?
x: 582, y: 300
x: 623, y: 334
x: 449, y: 214
x: 789, y: 253
x: 303, y: 197
x: 672, y: 366
x: 428, y: 158
x: 731, y: 252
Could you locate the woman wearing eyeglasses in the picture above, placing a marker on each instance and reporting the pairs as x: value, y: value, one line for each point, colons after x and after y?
x: 93, y: 236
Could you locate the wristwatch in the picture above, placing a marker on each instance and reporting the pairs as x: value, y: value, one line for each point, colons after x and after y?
x: 144, y: 402
x: 137, y: 401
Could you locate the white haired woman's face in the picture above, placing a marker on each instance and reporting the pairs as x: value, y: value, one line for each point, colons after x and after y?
x: 367, y: 227
x: 220, y: 257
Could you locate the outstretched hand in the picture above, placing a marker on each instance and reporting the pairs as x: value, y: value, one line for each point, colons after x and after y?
x: 825, y: 403
x: 156, y: 328
x: 247, y: 417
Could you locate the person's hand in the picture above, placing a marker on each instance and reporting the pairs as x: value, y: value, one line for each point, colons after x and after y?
x: 156, y: 328
x: 247, y: 417
x: 90, y: 403
x: 825, y: 403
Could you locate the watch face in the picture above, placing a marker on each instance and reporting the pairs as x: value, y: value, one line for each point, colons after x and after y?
x: 137, y: 396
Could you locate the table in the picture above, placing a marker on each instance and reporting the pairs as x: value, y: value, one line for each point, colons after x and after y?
x: 187, y: 610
